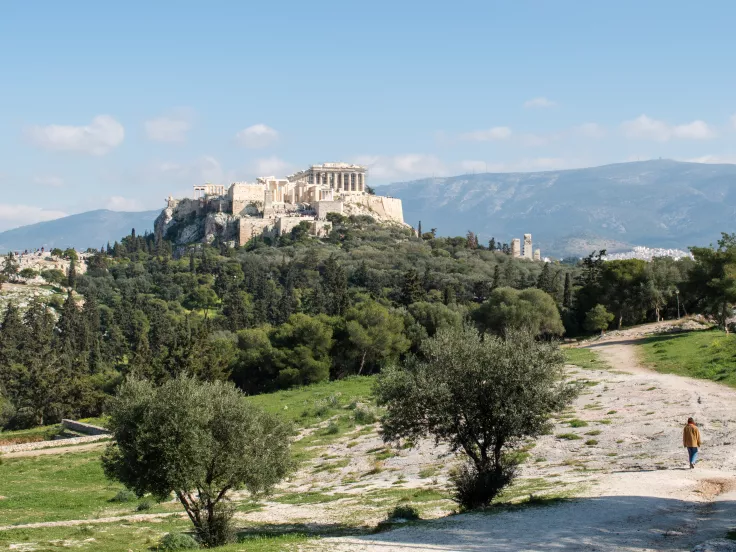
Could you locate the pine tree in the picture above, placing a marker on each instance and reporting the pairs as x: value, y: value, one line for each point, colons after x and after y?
x: 567, y: 294
x: 335, y: 284
x: 545, y: 280
x: 72, y: 274
x: 496, y: 277
x: 492, y: 244
x: 411, y: 289
x: 419, y: 229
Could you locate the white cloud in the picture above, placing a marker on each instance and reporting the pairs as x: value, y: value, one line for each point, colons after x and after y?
x: 271, y: 166
x: 412, y: 165
x: 494, y: 133
x: 169, y: 128
x: 646, y: 128
x: 697, y: 130
x: 119, y: 203
x: 102, y: 135
x: 257, y: 136
x: 537, y: 103
x: 50, y: 181
x: 12, y: 216
x: 590, y: 130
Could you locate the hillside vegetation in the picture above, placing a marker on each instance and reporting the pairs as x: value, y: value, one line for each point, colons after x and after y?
x: 302, y: 310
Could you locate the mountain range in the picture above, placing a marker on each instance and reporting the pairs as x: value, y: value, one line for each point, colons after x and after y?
x: 84, y: 230
x: 661, y: 203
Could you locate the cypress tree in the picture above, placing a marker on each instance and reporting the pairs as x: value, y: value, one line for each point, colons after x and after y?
x: 567, y: 294
x: 411, y: 289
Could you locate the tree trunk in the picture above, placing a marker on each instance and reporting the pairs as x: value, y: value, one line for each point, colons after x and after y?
x: 620, y: 320
x: 362, y: 363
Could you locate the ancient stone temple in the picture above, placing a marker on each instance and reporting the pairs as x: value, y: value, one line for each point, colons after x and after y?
x: 273, y: 206
x: 340, y: 177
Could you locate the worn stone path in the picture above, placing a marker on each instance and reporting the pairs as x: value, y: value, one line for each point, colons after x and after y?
x: 640, y: 495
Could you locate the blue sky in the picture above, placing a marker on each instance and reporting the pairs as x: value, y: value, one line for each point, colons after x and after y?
x: 118, y: 105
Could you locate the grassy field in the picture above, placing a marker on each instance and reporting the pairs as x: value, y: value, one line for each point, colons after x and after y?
x: 72, y: 486
x: 585, y: 358
x: 708, y: 354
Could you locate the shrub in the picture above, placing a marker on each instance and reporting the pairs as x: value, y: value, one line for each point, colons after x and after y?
x: 363, y: 415
x: 474, y: 489
x: 144, y: 505
x: 591, y: 442
x: 124, y: 496
x: 409, y: 513
x: 178, y: 541
x: 568, y: 436
x: 578, y: 423
x: 332, y: 428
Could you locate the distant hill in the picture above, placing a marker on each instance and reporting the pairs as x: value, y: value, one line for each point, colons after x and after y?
x: 90, y: 229
x: 661, y: 203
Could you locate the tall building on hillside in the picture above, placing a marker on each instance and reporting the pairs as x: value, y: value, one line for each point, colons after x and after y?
x: 516, y: 247
x: 528, y: 252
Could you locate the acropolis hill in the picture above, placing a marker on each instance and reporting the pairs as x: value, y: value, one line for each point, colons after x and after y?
x: 273, y: 206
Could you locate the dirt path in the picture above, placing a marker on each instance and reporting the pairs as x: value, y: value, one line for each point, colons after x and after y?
x: 634, y: 489
x: 55, y: 450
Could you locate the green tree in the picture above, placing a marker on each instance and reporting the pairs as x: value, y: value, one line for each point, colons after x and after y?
x: 567, y: 293
x: 301, y: 350
x: 597, y: 319
x: 376, y: 335
x: 530, y: 310
x: 199, y: 440
x: 482, y: 395
x: 72, y: 273
x: 10, y: 267
x: 335, y: 284
x: 411, y: 289
x: 712, y: 281
x: 28, y: 273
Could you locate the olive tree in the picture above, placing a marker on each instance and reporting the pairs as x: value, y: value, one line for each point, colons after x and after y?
x: 199, y: 440
x: 482, y: 395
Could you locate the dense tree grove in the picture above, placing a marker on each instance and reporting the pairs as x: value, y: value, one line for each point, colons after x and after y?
x: 299, y: 310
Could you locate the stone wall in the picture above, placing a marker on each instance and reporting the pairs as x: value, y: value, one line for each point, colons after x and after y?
x: 383, y: 208
x: 324, y: 207
x: 251, y: 227
x: 81, y: 427
x: 243, y: 194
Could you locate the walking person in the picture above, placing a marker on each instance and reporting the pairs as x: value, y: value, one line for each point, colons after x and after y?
x: 691, y: 441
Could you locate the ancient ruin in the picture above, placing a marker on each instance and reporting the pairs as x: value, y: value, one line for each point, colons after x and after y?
x: 527, y: 252
x: 273, y: 206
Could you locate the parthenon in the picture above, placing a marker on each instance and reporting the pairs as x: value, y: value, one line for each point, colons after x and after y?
x: 274, y: 205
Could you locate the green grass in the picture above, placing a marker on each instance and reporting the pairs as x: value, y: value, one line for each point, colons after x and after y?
x: 305, y: 405
x: 576, y: 422
x: 144, y: 536
x: 707, y: 354
x: 568, y: 436
x: 59, y: 487
x: 585, y: 358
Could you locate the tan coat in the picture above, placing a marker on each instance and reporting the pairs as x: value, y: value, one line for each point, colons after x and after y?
x: 691, y: 436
